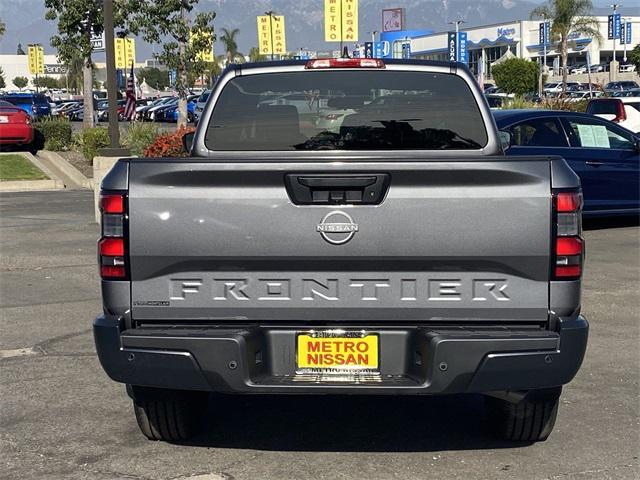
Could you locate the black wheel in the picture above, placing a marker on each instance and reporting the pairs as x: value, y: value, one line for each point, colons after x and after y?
x: 530, y: 420
x: 37, y: 143
x: 169, y: 415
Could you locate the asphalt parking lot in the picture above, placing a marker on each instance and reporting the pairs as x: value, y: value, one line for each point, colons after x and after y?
x: 61, y: 417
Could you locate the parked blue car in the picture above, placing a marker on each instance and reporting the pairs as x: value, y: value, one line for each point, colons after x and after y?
x: 605, y: 156
x: 170, y: 114
x: 35, y: 104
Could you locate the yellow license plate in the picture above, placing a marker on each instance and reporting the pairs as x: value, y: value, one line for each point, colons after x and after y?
x: 337, y: 352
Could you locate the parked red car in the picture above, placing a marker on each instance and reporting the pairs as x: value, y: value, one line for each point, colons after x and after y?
x: 15, y: 127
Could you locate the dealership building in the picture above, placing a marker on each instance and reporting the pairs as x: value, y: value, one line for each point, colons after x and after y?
x: 520, y: 38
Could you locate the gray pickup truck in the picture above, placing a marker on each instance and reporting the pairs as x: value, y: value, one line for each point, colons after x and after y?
x: 343, y: 226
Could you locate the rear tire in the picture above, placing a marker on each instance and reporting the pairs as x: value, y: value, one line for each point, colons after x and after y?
x: 169, y: 415
x: 530, y: 420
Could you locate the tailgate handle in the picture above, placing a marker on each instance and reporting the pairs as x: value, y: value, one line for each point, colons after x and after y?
x: 331, y: 189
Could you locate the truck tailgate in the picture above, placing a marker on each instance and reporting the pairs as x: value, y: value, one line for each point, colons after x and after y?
x: 451, y: 241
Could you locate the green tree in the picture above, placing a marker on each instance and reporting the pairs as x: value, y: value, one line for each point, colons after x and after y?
x: 255, y: 56
x: 46, y: 82
x: 76, y: 20
x: 228, y: 39
x: 634, y: 57
x: 2, y: 82
x: 171, y: 23
x: 3, y: 28
x: 516, y: 75
x: 20, y: 50
x: 75, y: 72
x: 156, y: 78
x: 567, y: 17
x: 20, y: 82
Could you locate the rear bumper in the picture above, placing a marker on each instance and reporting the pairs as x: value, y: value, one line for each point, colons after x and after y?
x: 16, y: 134
x: 412, y: 360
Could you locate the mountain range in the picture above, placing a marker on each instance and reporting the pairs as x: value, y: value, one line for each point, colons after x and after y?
x: 304, y: 19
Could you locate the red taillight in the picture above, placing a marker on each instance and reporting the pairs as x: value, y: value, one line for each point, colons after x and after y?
x: 621, y: 113
x: 111, y: 271
x: 345, y: 63
x: 564, y: 271
x: 112, y: 247
x: 568, y: 202
x: 112, y: 203
x: 569, y: 246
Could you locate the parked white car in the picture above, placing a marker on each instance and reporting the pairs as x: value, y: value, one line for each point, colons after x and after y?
x: 627, y: 68
x: 578, y: 69
x: 556, y: 87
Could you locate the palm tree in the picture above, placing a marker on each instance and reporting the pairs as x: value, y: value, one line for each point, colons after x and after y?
x: 568, y: 16
x: 75, y: 73
x: 228, y: 39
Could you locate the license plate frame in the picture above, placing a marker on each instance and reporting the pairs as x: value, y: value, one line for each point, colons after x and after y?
x: 4, y: 119
x: 338, y: 341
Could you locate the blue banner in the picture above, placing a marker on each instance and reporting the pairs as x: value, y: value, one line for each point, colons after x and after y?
x: 462, y: 48
x: 544, y: 30
x: 378, y: 50
x: 625, y: 33
x: 616, y: 25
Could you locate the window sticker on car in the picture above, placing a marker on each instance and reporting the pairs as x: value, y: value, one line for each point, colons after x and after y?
x: 593, y: 136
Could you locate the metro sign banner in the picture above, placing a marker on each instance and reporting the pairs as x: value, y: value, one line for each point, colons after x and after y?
x: 36, y: 59
x: 271, y: 35
x: 341, y: 20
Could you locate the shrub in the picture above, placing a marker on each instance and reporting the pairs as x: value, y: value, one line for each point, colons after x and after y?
x: 55, y: 133
x: 139, y: 136
x: 516, y: 75
x: 169, y: 144
x: 518, y: 103
x: 89, y: 140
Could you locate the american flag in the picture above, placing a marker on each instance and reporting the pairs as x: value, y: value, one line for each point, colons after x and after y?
x: 130, y: 106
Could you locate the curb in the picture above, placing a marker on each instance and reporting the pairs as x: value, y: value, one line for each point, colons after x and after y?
x: 54, y: 183
x: 69, y: 170
x: 30, y: 185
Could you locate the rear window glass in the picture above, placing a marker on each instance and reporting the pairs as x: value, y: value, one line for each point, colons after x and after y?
x: 346, y: 110
x: 19, y: 100
x: 203, y: 98
x: 603, y: 107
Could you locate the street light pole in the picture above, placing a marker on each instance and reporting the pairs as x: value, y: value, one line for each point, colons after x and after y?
x: 271, y: 13
x: 624, y: 22
x: 112, y: 92
x: 457, y: 24
x: 613, y: 74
